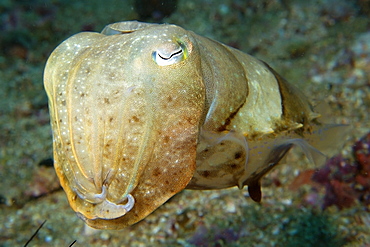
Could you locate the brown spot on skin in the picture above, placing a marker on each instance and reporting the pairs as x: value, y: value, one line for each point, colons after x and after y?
x: 111, y: 119
x: 106, y: 101
x: 205, y: 174
x: 238, y: 155
x: 156, y: 172
x: 189, y: 120
x: 233, y: 166
x: 209, y: 174
x: 135, y: 119
x: 166, y: 139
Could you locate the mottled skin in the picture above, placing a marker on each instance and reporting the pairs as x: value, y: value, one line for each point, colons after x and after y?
x: 146, y: 110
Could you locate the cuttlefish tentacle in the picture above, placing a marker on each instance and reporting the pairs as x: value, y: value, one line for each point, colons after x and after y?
x: 112, y: 210
x: 106, y: 209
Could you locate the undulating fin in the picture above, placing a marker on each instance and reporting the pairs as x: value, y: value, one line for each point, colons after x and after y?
x: 320, y: 137
x: 328, y: 138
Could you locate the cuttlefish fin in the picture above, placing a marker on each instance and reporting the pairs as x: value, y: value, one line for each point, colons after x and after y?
x: 254, y: 182
x: 273, y: 159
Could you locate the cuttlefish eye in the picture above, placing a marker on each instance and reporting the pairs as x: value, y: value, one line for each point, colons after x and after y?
x: 170, y: 53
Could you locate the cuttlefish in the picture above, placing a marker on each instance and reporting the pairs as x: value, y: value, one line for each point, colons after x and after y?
x: 141, y: 111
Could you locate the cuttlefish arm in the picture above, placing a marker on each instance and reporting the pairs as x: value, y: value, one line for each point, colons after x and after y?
x: 125, y: 112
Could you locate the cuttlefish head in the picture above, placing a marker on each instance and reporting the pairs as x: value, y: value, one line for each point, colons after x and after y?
x: 125, y: 110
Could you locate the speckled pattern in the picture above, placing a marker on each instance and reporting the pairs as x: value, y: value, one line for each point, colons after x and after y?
x: 320, y: 46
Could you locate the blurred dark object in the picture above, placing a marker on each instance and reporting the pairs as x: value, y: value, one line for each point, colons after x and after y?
x: 154, y: 9
x: 49, y: 162
x: 364, y: 6
x: 35, y: 233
